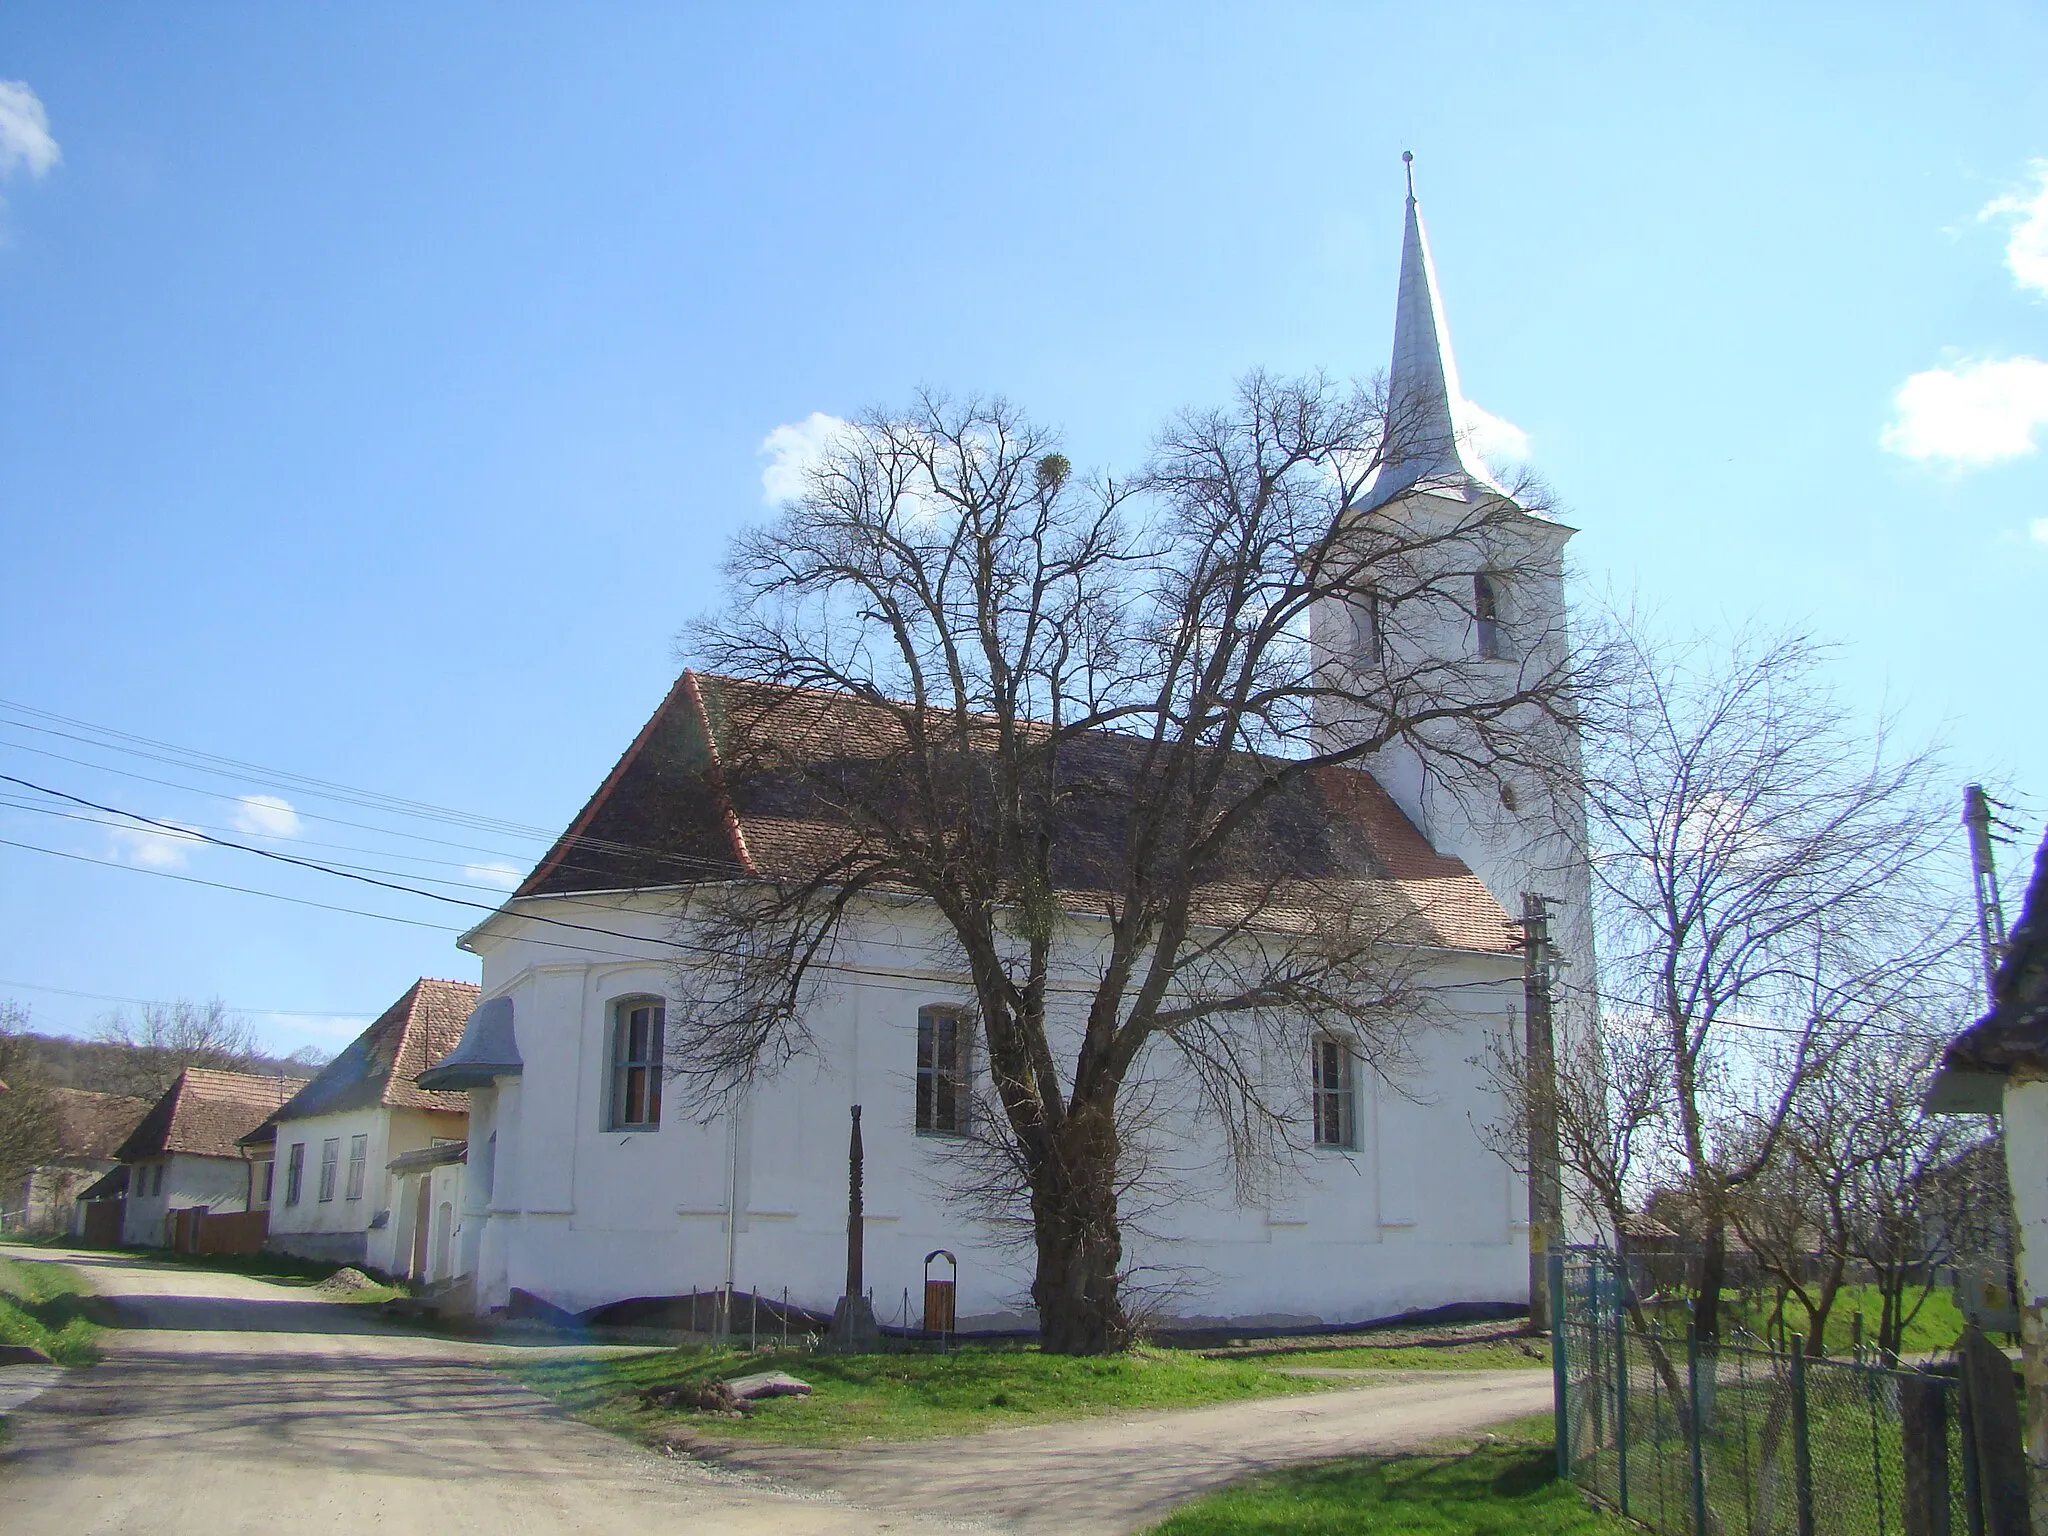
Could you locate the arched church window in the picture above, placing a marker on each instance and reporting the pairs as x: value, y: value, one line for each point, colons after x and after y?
x: 1335, y: 1112
x: 1486, y: 615
x: 636, y: 1052
x: 1369, y: 629
x: 941, y: 1071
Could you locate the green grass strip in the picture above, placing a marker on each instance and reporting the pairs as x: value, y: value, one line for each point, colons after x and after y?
x: 1504, y: 1487
x: 47, y: 1307
x: 900, y: 1396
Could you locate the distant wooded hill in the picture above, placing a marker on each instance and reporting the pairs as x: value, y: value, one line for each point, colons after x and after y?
x: 105, y: 1066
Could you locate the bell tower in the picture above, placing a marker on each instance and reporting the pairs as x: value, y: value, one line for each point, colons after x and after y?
x: 1459, y: 600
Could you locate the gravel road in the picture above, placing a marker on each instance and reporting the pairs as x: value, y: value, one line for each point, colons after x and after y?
x: 227, y: 1405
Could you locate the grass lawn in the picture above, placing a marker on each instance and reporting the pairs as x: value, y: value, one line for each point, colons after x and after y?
x: 899, y: 1396
x: 47, y: 1307
x: 1505, y: 1485
x: 1936, y: 1327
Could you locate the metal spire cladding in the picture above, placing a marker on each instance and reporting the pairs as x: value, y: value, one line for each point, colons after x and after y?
x: 1428, y: 444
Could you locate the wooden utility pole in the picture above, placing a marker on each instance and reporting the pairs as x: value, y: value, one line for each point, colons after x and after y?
x: 1984, y: 872
x: 1539, y: 1055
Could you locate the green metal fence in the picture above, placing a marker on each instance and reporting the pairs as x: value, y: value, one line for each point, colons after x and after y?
x: 1746, y: 1439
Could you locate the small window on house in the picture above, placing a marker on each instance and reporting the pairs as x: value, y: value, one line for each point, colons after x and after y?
x: 157, y: 1184
x: 637, y: 1029
x: 1486, y: 615
x: 295, y: 1174
x: 269, y: 1179
x: 1335, y: 1119
x: 358, y: 1160
x: 1368, y: 629
x: 941, y: 1071
x: 330, y: 1165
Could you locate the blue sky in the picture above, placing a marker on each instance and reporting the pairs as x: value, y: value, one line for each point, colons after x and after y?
x: 379, y: 384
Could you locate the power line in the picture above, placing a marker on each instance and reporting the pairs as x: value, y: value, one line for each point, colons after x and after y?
x: 228, y: 767
x: 157, y: 1002
x: 583, y: 842
x: 118, y: 824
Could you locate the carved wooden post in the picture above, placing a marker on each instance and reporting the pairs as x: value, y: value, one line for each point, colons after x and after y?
x: 854, y: 1330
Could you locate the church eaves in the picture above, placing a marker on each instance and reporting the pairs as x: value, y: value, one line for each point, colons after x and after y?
x: 1428, y: 443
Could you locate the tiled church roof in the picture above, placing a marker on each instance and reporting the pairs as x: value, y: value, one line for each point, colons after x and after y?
x: 708, y: 790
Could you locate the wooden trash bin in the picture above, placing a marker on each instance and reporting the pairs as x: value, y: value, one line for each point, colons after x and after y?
x: 939, y: 1314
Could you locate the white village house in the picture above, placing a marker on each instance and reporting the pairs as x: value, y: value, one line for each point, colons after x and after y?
x: 584, y: 1188
x: 325, y: 1155
x: 183, y: 1156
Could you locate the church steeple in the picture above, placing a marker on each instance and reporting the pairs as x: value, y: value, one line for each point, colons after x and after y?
x: 1428, y: 438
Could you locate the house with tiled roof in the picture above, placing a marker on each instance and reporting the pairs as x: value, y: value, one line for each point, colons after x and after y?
x: 1999, y: 1066
x: 588, y: 1184
x: 183, y: 1155
x: 325, y: 1156
x: 89, y: 1126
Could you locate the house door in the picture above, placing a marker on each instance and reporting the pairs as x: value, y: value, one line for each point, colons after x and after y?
x: 444, y: 1226
x: 422, y: 1212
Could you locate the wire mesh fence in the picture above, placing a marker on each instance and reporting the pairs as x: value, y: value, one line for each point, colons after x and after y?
x: 1702, y: 1442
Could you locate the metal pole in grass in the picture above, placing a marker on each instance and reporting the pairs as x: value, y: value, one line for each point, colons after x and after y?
x: 1695, y: 1432
x: 1802, y: 1444
x: 1621, y: 1394
x: 1559, y: 1379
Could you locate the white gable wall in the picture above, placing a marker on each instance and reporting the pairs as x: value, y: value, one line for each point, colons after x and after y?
x: 1419, y: 1215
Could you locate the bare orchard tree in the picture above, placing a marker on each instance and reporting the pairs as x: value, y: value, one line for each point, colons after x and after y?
x: 1918, y: 1188
x: 1091, y: 715
x: 166, y: 1038
x: 28, y: 1115
x: 1773, y: 886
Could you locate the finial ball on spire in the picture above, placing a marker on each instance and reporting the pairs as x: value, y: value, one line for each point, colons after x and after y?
x: 1408, y: 162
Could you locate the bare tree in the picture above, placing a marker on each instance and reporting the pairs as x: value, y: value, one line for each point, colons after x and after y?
x: 1087, y: 710
x: 166, y: 1038
x: 1774, y: 888
x: 28, y: 1116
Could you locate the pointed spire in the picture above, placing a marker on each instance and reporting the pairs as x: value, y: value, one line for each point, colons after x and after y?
x: 1428, y: 440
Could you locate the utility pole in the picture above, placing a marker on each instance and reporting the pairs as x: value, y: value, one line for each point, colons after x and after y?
x: 1539, y: 1055
x: 1984, y: 872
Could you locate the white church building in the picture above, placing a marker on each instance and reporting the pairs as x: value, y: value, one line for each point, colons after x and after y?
x: 583, y: 1187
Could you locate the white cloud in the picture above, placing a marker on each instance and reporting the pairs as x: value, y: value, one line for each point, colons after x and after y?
x: 1494, y: 438
x: 2039, y: 529
x: 793, y: 449
x: 152, y: 847
x: 24, y: 131
x: 266, y: 816
x: 504, y: 876
x: 1971, y: 414
x: 2026, y: 252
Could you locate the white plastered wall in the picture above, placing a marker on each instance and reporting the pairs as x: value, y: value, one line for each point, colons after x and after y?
x: 1420, y: 1214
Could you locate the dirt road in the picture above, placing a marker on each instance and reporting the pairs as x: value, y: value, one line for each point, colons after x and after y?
x: 228, y: 1405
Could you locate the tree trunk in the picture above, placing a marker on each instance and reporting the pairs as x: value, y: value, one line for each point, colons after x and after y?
x: 1713, y: 1278
x: 1080, y: 1244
